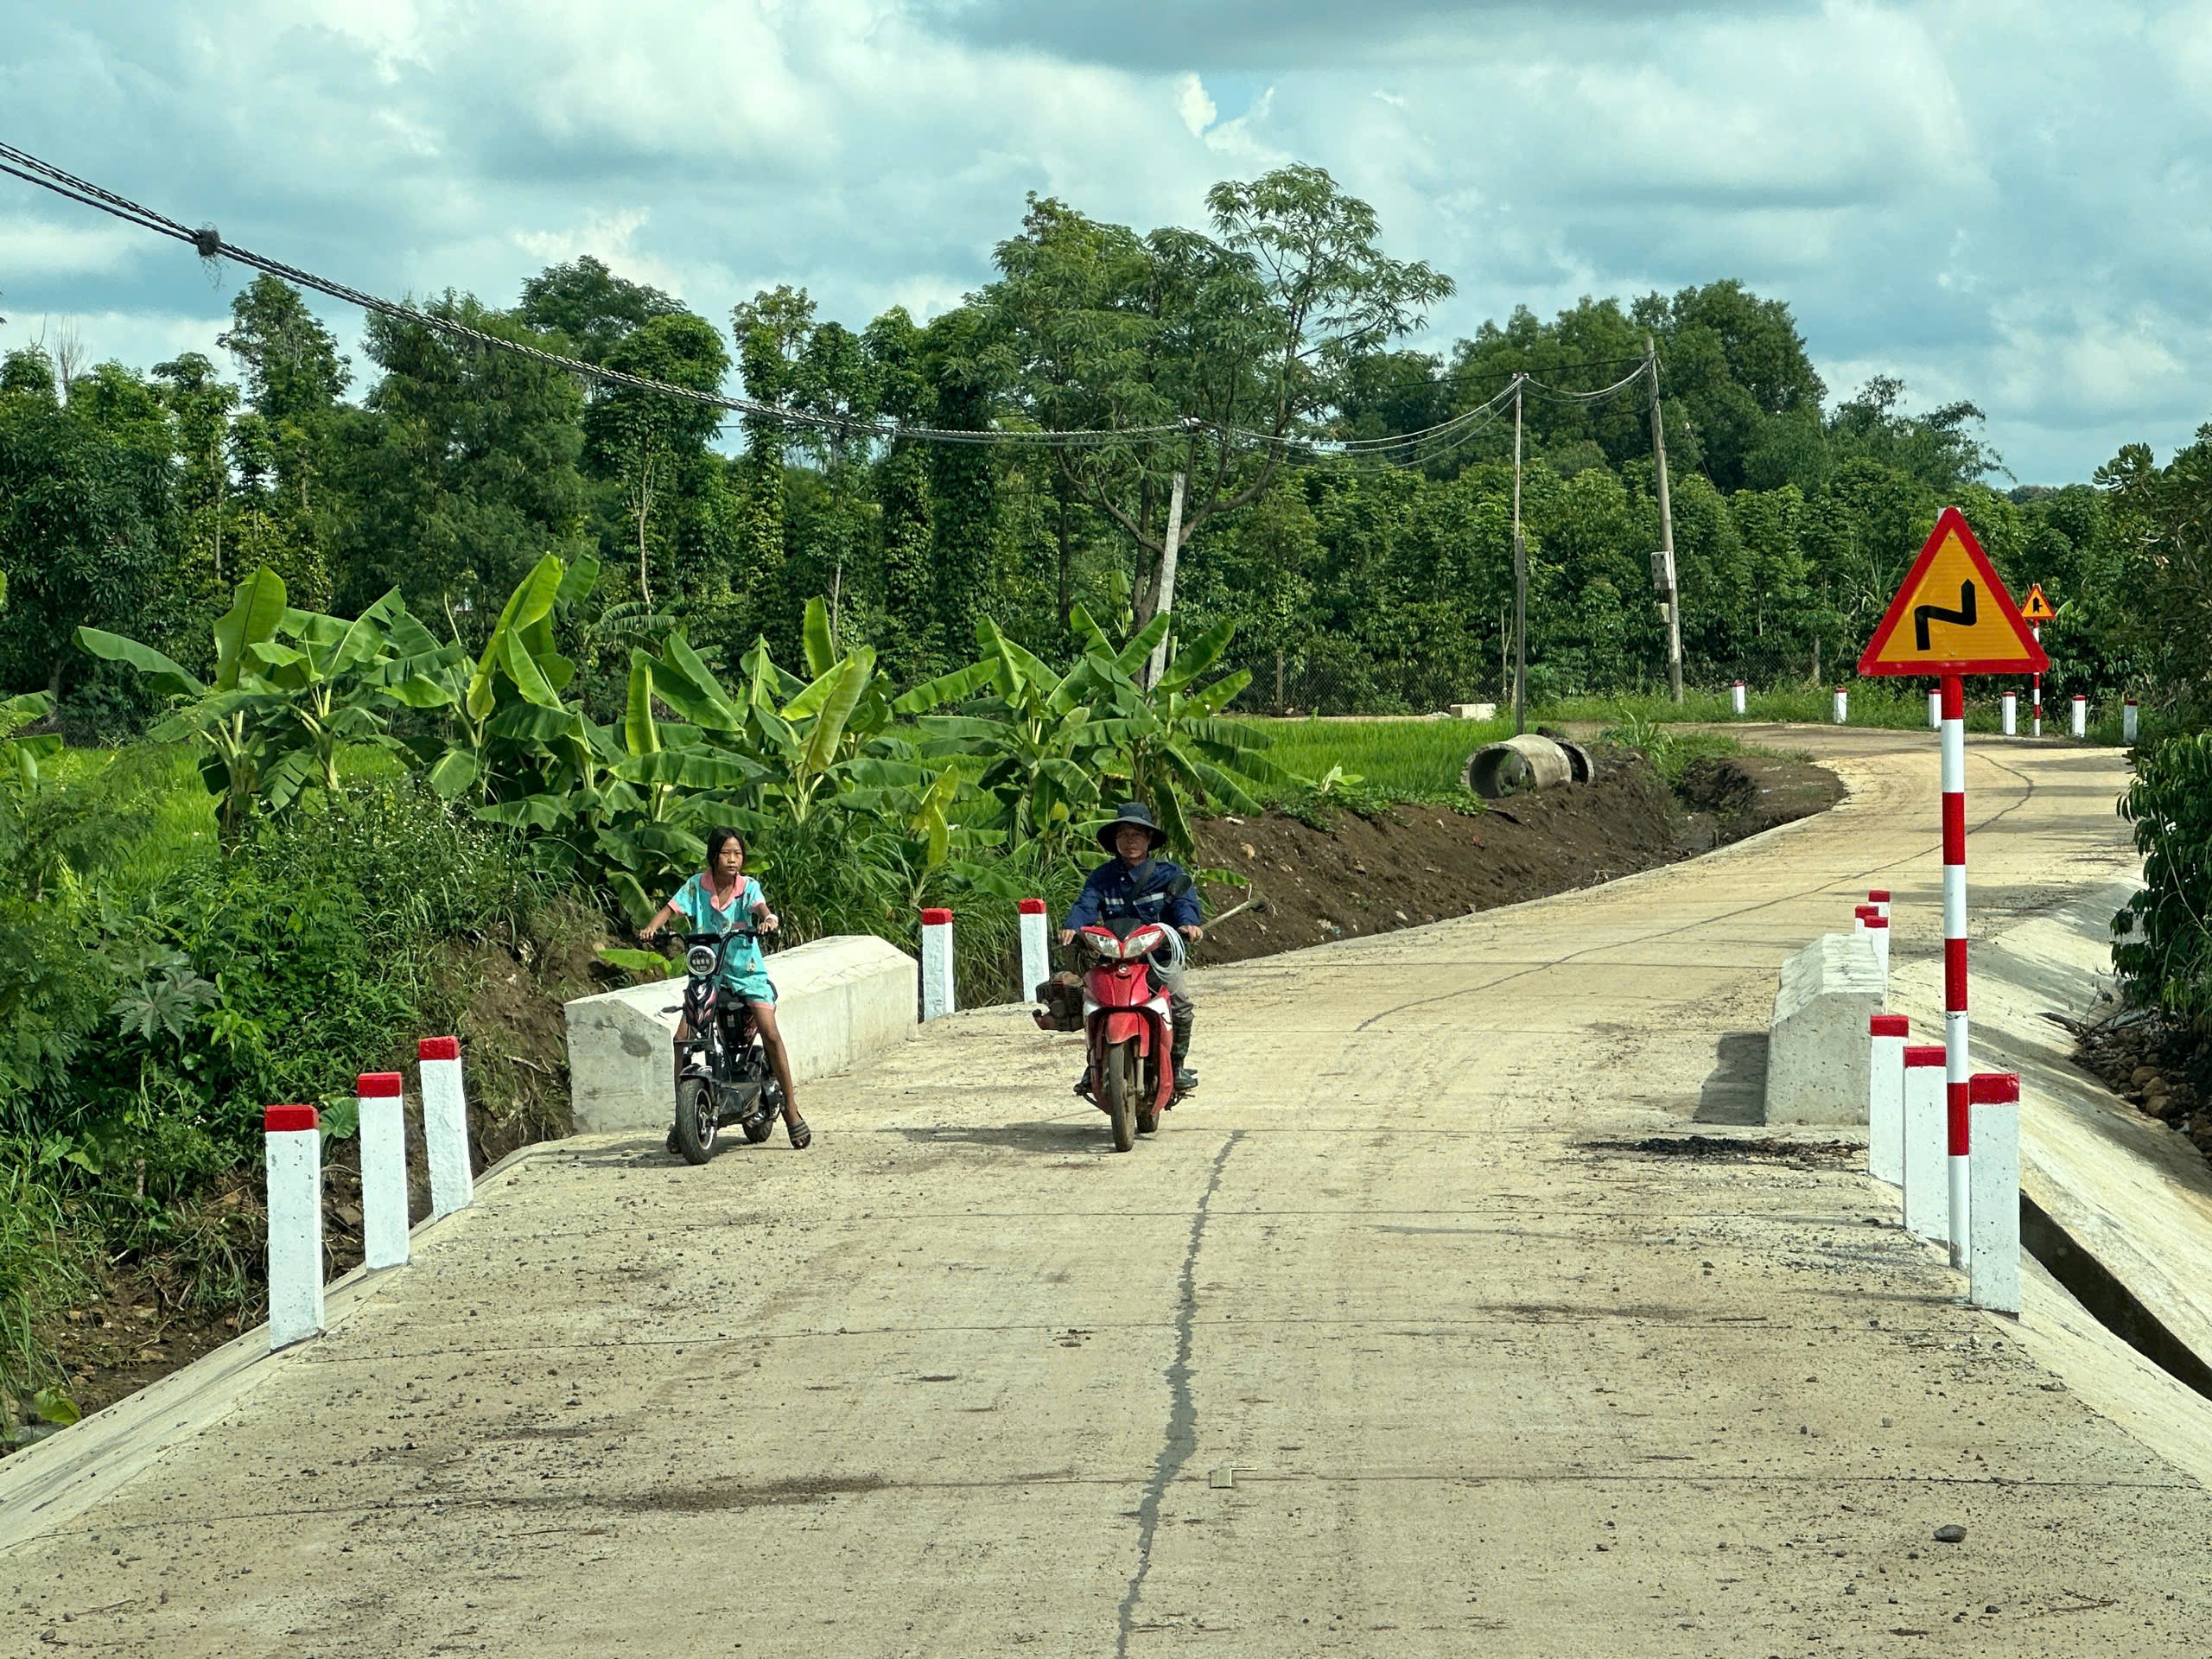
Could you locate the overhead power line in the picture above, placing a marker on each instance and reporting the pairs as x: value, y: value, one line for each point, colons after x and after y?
x: 210, y: 244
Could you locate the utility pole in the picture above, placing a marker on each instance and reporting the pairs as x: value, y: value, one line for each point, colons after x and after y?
x: 1669, y: 595
x: 1520, y: 580
x: 1158, y: 666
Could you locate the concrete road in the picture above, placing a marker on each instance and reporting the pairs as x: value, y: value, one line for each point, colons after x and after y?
x: 1392, y: 1343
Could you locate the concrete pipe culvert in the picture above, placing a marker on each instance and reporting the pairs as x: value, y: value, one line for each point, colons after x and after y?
x: 1519, y: 763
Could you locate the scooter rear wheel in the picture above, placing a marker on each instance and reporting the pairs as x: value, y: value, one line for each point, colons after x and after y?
x: 695, y: 1120
x: 1120, y: 1070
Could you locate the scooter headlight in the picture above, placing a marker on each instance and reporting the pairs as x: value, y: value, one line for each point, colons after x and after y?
x: 700, y: 959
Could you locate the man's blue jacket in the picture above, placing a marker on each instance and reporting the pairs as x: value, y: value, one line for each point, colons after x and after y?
x: 1154, y: 890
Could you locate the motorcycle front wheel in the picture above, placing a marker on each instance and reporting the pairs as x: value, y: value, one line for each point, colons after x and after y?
x: 695, y: 1120
x: 1121, y: 1084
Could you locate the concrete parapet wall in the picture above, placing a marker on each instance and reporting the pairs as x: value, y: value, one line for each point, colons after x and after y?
x: 1817, y: 1056
x: 838, y: 1000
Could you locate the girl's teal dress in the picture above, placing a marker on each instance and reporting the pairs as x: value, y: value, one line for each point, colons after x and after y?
x: 743, y: 970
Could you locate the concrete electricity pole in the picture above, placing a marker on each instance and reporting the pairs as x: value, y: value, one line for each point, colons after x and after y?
x: 1669, y: 595
x: 1158, y: 666
x: 1520, y: 580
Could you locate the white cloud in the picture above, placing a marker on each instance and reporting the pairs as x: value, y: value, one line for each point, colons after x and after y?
x: 1192, y: 103
x: 2003, y: 200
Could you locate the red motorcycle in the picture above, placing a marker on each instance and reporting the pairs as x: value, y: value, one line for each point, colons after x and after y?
x: 1125, y: 1014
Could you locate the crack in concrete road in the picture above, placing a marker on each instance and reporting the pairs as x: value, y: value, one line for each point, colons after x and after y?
x: 1182, y: 1409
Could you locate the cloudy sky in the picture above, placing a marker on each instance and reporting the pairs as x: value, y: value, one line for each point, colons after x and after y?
x: 2000, y: 200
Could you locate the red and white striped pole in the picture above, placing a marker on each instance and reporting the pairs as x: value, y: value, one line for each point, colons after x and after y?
x: 445, y: 1125
x: 383, y: 1170
x: 293, y: 1155
x: 937, y: 964
x: 1955, y: 1073
x: 1736, y: 697
x: 1879, y: 898
x: 1877, y: 929
x: 2036, y: 628
x: 1036, y: 953
x: 1993, y: 1247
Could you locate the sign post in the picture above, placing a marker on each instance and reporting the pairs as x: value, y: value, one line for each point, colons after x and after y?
x: 2035, y: 611
x: 1951, y: 617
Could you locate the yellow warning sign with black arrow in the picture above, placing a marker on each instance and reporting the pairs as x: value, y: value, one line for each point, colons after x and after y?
x: 2034, y: 607
x: 1952, y: 616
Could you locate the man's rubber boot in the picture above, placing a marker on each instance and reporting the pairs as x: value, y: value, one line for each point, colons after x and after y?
x: 1179, y: 1022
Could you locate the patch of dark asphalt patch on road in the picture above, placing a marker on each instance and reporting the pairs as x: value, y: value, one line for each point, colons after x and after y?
x: 1740, y: 1150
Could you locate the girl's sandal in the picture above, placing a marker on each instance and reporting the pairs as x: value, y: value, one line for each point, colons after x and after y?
x: 802, y: 1137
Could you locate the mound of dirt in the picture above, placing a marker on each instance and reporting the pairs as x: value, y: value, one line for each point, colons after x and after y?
x: 1732, y: 796
x: 1421, y: 864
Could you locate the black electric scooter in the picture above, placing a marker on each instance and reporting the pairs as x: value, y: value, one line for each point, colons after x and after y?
x: 724, y: 1077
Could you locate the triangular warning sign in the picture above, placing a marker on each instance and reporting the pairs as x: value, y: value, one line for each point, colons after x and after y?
x: 2034, y: 607
x: 1952, y: 616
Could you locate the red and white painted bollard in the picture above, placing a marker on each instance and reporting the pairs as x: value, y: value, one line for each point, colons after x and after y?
x: 1036, y: 949
x: 2081, y: 716
x: 1868, y: 919
x: 1926, y: 1201
x: 937, y: 964
x: 1993, y: 1238
x: 293, y: 1137
x: 1879, y: 898
x: 1955, y: 1073
x: 1842, y: 706
x: 1887, y: 1034
x: 1934, y: 710
x: 445, y: 1125
x: 2127, y: 722
x: 1736, y: 697
x: 2008, y: 712
x: 383, y: 1170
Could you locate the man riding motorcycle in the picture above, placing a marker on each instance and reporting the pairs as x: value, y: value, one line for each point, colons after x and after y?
x: 1140, y: 887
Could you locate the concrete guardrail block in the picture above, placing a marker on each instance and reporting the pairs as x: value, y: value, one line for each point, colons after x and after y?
x: 838, y: 1000
x: 1817, y: 1067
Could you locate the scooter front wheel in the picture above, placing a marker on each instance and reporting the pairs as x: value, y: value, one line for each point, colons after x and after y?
x: 1121, y: 1084
x: 695, y: 1120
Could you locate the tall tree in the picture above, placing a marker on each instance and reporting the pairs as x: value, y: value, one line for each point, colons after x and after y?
x: 462, y: 466
x: 772, y: 330
x: 86, y: 519
x: 904, y: 394
x: 1254, y: 329
x: 294, y: 376
x: 589, y: 306
x: 648, y: 442
x: 202, y: 406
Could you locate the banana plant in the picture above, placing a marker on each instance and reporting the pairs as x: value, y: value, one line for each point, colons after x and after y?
x: 508, y: 732
x: 224, y: 717
x: 19, y: 756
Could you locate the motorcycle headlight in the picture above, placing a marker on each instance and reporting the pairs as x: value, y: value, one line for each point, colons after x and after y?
x: 700, y: 959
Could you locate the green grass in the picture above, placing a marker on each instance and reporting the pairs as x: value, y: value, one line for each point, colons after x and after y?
x: 1393, y: 759
x: 1877, y: 704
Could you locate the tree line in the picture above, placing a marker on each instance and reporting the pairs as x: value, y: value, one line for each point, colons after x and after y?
x: 135, y: 502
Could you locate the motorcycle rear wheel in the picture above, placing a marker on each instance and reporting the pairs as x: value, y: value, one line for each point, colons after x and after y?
x: 695, y: 1120
x: 1120, y: 1070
